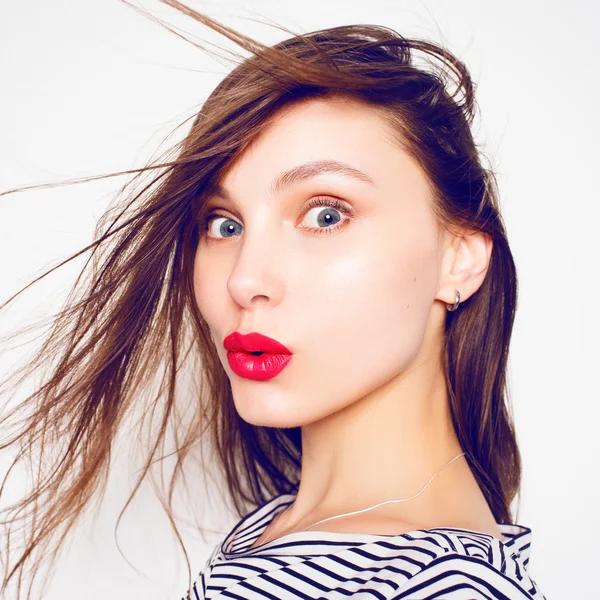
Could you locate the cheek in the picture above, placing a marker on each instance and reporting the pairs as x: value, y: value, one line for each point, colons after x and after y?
x: 365, y: 322
x: 372, y: 304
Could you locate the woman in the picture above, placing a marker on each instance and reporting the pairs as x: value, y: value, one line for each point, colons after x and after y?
x: 328, y: 246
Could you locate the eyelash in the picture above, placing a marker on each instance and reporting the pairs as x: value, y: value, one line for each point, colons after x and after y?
x: 205, y: 221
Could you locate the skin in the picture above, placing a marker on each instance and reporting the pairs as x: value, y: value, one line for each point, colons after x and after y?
x: 362, y: 309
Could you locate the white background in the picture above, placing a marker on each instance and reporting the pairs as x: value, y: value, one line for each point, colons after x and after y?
x: 92, y: 87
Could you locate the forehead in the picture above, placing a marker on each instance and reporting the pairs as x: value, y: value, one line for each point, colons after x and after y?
x: 340, y: 123
x: 338, y: 131
x: 334, y: 110
x: 324, y: 127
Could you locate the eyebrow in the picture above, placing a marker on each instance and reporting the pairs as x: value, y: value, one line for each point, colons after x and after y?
x: 304, y: 172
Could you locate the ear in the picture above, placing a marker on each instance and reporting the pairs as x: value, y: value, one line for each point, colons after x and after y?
x: 464, y: 265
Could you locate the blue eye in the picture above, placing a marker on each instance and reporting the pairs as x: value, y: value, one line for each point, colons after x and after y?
x: 221, y: 227
x: 227, y: 227
x: 328, y: 214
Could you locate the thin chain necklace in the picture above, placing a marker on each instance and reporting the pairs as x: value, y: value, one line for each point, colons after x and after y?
x: 377, y: 505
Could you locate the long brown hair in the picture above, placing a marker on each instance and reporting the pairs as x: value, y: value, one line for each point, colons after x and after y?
x: 131, y: 319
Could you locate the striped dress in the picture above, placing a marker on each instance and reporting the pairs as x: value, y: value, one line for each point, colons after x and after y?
x: 441, y: 563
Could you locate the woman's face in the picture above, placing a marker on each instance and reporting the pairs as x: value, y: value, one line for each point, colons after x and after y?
x: 348, y: 289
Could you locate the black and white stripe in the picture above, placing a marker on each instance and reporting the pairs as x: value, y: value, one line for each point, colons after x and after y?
x: 442, y: 563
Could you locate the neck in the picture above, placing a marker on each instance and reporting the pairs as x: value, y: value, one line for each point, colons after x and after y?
x: 384, y: 446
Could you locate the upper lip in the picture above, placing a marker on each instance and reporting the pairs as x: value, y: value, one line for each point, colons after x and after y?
x: 253, y: 342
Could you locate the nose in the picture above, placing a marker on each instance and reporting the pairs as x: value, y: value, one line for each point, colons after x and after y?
x: 257, y: 272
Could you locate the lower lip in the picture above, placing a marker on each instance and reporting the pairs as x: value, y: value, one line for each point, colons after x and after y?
x: 259, y: 368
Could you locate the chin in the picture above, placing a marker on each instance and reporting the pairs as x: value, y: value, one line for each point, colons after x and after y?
x: 282, y: 412
x: 263, y: 418
x: 263, y: 412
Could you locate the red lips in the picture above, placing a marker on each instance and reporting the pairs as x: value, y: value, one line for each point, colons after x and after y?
x: 243, y: 362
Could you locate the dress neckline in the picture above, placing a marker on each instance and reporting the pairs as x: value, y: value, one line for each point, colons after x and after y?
x: 250, y: 528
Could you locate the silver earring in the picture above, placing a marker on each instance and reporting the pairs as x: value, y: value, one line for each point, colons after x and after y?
x: 452, y: 307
